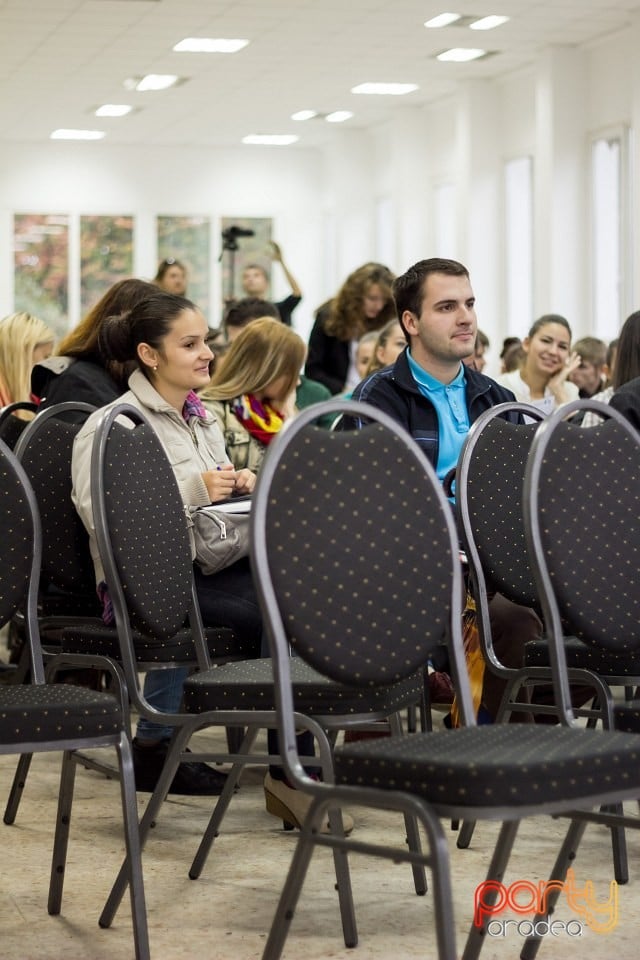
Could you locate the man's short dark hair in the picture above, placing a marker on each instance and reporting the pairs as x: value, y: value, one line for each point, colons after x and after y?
x: 408, y: 289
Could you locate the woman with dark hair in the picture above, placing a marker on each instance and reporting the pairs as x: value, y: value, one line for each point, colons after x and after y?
x: 363, y: 303
x: 625, y: 370
x: 542, y: 376
x: 79, y: 370
x: 165, y: 338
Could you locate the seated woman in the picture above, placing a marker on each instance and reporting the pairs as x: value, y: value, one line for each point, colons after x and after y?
x: 388, y: 345
x: 254, y: 391
x: 24, y: 341
x: 165, y: 336
x: 542, y: 377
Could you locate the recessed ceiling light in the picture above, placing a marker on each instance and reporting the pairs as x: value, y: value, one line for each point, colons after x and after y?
x: 304, y: 115
x: 67, y: 134
x: 338, y: 116
x: 113, y: 110
x: 460, y: 54
x: 270, y: 139
x: 209, y: 45
x: 393, y: 89
x: 152, y: 81
x: 442, y: 20
x: 488, y: 23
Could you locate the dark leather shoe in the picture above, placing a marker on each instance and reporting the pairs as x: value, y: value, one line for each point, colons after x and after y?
x: 191, y: 779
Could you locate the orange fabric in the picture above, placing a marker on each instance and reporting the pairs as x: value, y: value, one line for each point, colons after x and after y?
x: 474, y: 658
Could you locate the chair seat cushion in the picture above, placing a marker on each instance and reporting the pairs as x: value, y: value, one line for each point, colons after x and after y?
x: 581, y: 655
x: 627, y: 716
x: 502, y: 765
x: 95, y: 638
x: 42, y: 713
x: 249, y: 686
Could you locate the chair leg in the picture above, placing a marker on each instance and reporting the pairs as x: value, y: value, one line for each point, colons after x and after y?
x: 291, y: 891
x: 619, y: 847
x: 222, y: 804
x: 156, y: 800
x: 496, y: 871
x: 17, y: 788
x: 133, y: 849
x: 61, y: 839
x: 411, y: 827
x: 565, y: 858
x: 465, y: 834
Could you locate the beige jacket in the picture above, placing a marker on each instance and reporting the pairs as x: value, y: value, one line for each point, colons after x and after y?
x: 243, y: 449
x: 191, y: 448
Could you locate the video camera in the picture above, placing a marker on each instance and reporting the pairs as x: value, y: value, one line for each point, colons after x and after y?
x: 230, y: 236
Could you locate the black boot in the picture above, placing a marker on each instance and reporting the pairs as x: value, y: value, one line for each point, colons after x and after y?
x: 191, y: 779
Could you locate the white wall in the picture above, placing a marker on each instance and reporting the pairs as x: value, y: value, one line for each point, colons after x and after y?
x: 371, y: 194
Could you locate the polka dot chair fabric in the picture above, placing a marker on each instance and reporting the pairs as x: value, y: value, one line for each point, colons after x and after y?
x: 39, y: 716
x: 356, y: 560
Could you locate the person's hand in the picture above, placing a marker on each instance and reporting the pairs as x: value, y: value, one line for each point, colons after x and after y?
x: 557, y: 383
x: 245, y: 481
x: 221, y: 482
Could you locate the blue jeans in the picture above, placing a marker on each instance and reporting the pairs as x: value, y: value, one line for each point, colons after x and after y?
x: 226, y: 599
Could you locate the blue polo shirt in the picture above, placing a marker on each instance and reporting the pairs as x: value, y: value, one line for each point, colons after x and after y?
x: 449, y: 400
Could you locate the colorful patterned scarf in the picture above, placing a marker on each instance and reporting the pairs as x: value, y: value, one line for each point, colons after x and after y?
x: 259, y: 420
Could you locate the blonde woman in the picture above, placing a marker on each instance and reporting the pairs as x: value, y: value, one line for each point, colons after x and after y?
x: 253, y: 392
x: 389, y: 344
x: 24, y: 341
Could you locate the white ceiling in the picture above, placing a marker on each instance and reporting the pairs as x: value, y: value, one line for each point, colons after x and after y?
x: 60, y: 59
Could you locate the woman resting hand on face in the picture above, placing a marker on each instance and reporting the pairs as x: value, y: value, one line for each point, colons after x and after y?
x: 541, y: 378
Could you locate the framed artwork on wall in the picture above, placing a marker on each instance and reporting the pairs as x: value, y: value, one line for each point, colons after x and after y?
x: 41, y: 267
x: 187, y: 239
x: 106, y: 255
x: 244, y: 240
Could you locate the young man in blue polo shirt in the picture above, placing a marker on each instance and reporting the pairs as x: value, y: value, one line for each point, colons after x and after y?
x: 436, y: 398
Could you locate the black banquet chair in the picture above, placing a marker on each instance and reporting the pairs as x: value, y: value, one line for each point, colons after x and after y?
x: 46, y: 716
x: 142, y: 536
x: 582, y: 528
x: 356, y: 561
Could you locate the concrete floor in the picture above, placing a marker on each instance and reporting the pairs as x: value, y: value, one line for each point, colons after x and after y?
x: 227, y: 912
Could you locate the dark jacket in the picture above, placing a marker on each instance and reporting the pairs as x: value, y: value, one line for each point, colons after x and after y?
x: 394, y: 391
x: 626, y: 399
x: 328, y: 357
x: 60, y: 379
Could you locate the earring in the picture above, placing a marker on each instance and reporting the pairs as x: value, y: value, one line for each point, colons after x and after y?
x: 155, y: 366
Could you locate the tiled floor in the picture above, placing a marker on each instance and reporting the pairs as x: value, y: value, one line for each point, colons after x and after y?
x: 227, y: 912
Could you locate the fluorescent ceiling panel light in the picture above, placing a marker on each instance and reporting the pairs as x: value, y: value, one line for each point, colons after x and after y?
x: 209, y: 45
x: 65, y: 134
x: 304, y: 115
x: 338, y: 116
x: 113, y: 110
x: 442, y: 20
x: 155, y: 81
x: 460, y: 54
x: 488, y: 23
x: 270, y: 139
x: 392, y: 89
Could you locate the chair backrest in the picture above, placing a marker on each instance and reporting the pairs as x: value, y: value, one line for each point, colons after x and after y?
x: 11, y: 426
x: 141, y: 526
x: 45, y: 449
x: 582, y: 524
x: 489, y: 483
x: 21, y: 552
x: 354, y: 549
